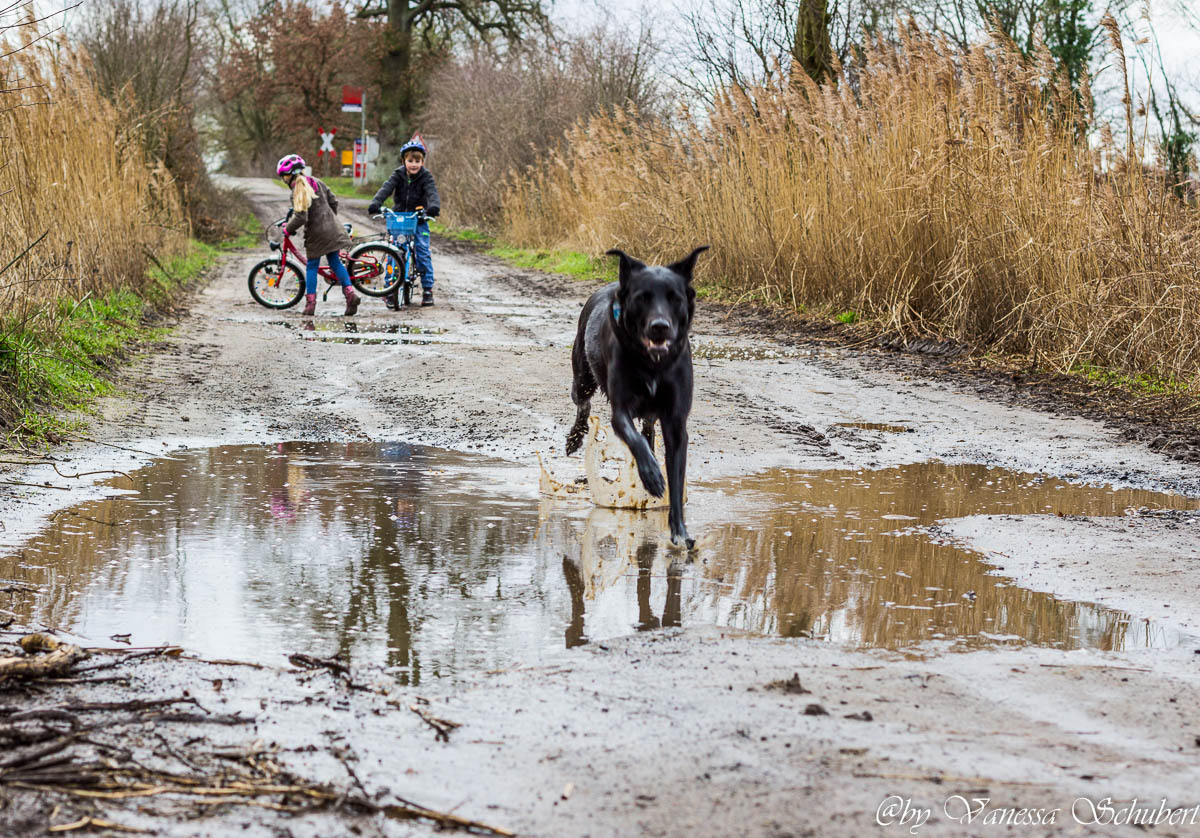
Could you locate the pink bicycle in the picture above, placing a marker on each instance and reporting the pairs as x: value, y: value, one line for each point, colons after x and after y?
x: 278, y: 282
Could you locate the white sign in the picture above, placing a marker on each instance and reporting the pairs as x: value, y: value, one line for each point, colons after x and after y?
x: 326, y: 142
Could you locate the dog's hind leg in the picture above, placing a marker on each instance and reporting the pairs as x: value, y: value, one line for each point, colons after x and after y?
x: 583, y: 387
x: 579, y: 429
x: 648, y: 431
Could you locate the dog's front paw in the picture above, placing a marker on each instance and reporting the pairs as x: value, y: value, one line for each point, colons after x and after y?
x: 652, y: 478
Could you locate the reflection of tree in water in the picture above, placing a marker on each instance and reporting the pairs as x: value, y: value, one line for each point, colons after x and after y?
x: 820, y: 560
x: 420, y: 549
x: 306, y: 541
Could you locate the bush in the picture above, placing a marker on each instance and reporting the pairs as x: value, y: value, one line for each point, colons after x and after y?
x: 930, y: 191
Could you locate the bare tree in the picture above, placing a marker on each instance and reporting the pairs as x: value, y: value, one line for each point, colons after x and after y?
x: 742, y: 43
x: 434, y: 25
x: 496, y: 115
x: 149, y: 58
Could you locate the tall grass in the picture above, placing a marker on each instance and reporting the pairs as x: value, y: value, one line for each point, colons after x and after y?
x: 932, y: 192
x: 82, y: 210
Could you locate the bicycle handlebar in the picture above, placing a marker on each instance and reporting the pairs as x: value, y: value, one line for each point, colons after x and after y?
x: 419, y: 212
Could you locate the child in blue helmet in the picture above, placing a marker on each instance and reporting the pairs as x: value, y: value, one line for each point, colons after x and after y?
x: 411, y: 187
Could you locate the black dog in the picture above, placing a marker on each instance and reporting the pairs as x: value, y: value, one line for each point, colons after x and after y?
x: 633, y: 343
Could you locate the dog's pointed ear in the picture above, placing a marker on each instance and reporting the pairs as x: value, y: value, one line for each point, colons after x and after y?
x: 628, y: 265
x: 687, y: 264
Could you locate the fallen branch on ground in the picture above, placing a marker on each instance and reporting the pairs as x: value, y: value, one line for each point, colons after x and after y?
x: 56, y: 662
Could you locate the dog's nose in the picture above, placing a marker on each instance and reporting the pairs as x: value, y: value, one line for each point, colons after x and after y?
x: 659, y: 329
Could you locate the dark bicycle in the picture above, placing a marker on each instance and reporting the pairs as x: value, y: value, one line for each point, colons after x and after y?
x: 402, y: 237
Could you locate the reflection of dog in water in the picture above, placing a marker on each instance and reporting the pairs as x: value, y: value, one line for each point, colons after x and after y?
x: 596, y: 568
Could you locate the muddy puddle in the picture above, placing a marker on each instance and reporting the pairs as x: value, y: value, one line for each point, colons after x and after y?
x: 345, y: 330
x: 433, y: 563
x: 881, y: 427
x: 709, y: 350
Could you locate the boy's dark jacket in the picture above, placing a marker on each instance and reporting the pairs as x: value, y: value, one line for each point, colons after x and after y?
x: 411, y: 192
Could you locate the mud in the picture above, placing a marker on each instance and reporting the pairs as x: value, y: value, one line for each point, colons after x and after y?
x: 1082, y: 685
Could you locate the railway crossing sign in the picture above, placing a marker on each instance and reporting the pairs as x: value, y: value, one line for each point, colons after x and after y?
x: 326, y: 141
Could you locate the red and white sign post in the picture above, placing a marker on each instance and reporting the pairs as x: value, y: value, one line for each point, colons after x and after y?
x: 326, y: 144
x: 354, y: 100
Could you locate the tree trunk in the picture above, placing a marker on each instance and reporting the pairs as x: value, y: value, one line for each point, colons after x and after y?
x: 398, y: 100
x: 811, y: 48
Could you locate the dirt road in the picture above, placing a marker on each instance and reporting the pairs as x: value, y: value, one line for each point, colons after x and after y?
x: 916, y: 553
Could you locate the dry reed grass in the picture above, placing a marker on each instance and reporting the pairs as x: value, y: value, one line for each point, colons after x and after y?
x: 81, y: 208
x: 937, y: 193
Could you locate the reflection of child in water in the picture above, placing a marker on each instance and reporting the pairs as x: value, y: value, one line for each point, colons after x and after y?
x: 281, y: 507
x: 406, y: 512
x: 406, y: 505
x: 286, y: 500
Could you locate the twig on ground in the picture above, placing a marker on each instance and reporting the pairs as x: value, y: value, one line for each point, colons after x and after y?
x: 1095, y: 666
x: 133, y: 704
x: 35, y: 485
x: 113, y: 445
x: 90, y: 473
x: 442, y: 726
x: 310, y: 662
x: 88, y: 822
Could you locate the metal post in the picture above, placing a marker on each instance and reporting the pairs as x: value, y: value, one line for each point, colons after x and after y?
x: 363, y: 134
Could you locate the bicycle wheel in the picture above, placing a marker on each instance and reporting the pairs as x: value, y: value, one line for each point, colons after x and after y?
x: 376, y: 269
x: 411, y: 277
x: 276, y: 284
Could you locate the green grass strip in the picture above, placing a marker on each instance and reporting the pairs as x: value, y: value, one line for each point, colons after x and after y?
x: 61, y: 362
x: 568, y: 262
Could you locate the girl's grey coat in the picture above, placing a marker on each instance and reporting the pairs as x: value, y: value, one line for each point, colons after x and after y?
x: 323, y: 233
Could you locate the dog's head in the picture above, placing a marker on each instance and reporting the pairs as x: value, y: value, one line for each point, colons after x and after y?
x: 655, y: 303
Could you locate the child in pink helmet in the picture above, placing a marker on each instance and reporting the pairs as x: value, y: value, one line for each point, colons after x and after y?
x: 314, y: 207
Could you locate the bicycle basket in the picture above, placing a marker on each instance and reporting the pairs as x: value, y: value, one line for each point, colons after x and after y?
x: 401, y: 223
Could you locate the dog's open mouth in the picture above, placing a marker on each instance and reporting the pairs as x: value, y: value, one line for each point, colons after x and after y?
x: 656, y: 347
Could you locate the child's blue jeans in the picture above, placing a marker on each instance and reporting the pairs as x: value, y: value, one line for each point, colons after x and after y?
x: 335, y: 262
x: 422, y: 256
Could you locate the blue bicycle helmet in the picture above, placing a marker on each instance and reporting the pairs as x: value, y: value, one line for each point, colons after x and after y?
x: 414, y: 144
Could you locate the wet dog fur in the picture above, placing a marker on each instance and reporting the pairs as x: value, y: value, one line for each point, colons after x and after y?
x: 633, y: 345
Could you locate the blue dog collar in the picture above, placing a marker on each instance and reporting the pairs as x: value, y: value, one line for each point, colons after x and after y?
x: 616, y: 310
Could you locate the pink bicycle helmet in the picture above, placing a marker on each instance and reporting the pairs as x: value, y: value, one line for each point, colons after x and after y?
x: 289, y: 164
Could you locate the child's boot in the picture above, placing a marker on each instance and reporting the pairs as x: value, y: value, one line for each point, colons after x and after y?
x: 310, y: 305
x: 351, y: 300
